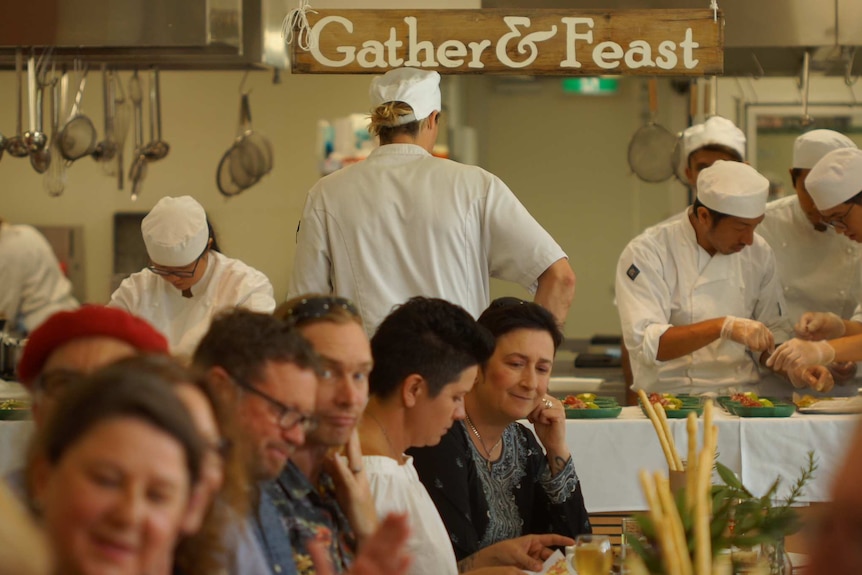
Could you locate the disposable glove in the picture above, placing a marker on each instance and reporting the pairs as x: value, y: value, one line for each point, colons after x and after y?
x: 800, y: 353
x: 817, y: 377
x: 815, y: 326
x: 748, y: 332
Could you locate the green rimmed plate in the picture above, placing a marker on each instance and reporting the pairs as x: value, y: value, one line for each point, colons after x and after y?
x: 689, y: 405
x: 15, y: 414
x: 600, y: 413
x: 778, y: 410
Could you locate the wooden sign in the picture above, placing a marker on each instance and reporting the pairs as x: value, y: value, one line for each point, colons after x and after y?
x: 505, y: 41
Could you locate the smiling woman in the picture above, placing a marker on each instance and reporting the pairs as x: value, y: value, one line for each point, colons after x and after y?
x: 112, y: 473
x: 505, y: 483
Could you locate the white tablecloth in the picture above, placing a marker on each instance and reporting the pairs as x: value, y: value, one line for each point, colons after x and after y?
x: 14, y: 435
x: 609, y: 453
x: 14, y: 438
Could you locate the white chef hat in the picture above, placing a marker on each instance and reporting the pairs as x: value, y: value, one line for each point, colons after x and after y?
x: 419, y: 89
x: 836, y: 178
x: 175, y: 231
x: 813, y: 145
x: 733, y: 188
x: 714, y: 131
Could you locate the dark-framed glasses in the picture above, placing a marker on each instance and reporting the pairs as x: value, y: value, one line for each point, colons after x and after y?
x: 317, y: 307
x: 287, y: 417
x: 180, y: 273
x: 838, y: 223
x: 51, y: 383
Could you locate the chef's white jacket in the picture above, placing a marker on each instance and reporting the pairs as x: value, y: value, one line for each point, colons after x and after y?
x: 664, y: 279
x: 403, y: 223
x: 32, y: 285
x: 819, y: 271
x: 226, y: 283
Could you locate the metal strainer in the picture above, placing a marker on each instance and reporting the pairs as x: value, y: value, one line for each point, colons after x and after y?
x: 651, y: 148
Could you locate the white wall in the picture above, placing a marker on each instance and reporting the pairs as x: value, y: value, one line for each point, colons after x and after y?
x: 563, y: 155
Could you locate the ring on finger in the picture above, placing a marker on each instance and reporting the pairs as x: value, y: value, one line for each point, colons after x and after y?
x: 548, y: 403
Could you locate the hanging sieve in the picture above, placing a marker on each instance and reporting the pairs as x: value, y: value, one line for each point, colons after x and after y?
x: 651, y: 147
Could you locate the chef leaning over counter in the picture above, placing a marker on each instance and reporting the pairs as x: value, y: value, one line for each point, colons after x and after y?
x: 698, y: 296
x: 403, y: 223
x: 32, y: 284
x: 835, y: 185
x: 820, y: 269
x: 187, y: 281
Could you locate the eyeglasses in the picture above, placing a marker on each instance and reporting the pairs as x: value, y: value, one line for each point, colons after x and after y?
x: 838, y: 223
x: 287, y: 417
x: 53, y: 382
x: 318, y: 307
x: 181, y: 273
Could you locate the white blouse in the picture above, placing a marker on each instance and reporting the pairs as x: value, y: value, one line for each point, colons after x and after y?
x: 396, y: 488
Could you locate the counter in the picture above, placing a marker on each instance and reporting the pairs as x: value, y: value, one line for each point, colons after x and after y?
x: 609, y: 453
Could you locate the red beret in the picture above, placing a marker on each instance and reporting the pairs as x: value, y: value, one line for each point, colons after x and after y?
x: 87, y: 321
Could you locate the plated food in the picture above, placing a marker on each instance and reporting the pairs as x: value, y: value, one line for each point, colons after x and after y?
x: 675, y: 406
x: 749, y: 404
x: 590, y: 406
x: 833, y: 406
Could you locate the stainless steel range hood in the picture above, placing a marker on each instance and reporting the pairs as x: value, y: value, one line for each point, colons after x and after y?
x: 171, y: 34
x: 762, y: 37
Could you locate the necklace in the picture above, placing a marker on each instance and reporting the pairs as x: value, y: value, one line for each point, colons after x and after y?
x: 488, y: 452
x: 392, y: 449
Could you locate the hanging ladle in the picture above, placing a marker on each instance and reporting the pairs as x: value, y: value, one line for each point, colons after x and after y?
x: 138, y: 171
x: 107, y: 148
x: 157, y: 148
x: 40, y: 159
x: 16, y: 145
x: 35, y: 137
x: 55, y: 178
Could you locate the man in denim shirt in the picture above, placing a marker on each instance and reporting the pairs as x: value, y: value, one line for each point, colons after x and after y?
x: 321, y: 497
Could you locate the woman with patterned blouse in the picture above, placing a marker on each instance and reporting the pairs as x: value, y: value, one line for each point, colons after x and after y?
x: 489, y: 477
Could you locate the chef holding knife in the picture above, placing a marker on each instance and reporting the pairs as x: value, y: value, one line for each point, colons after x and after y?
x: 698, y: 296
x: 403, y: 223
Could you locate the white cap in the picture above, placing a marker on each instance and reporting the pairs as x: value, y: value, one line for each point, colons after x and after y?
x: 733, y: 188
x: 175, y: 231
x: 836, y: 178
x: 419, y: 89
x: 715, y: 131
x: 813, y: 145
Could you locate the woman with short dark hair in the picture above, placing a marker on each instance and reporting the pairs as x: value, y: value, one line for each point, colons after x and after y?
x: 489, y: 477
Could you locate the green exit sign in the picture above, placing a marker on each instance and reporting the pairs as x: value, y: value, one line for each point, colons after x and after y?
x: 591, y: 85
